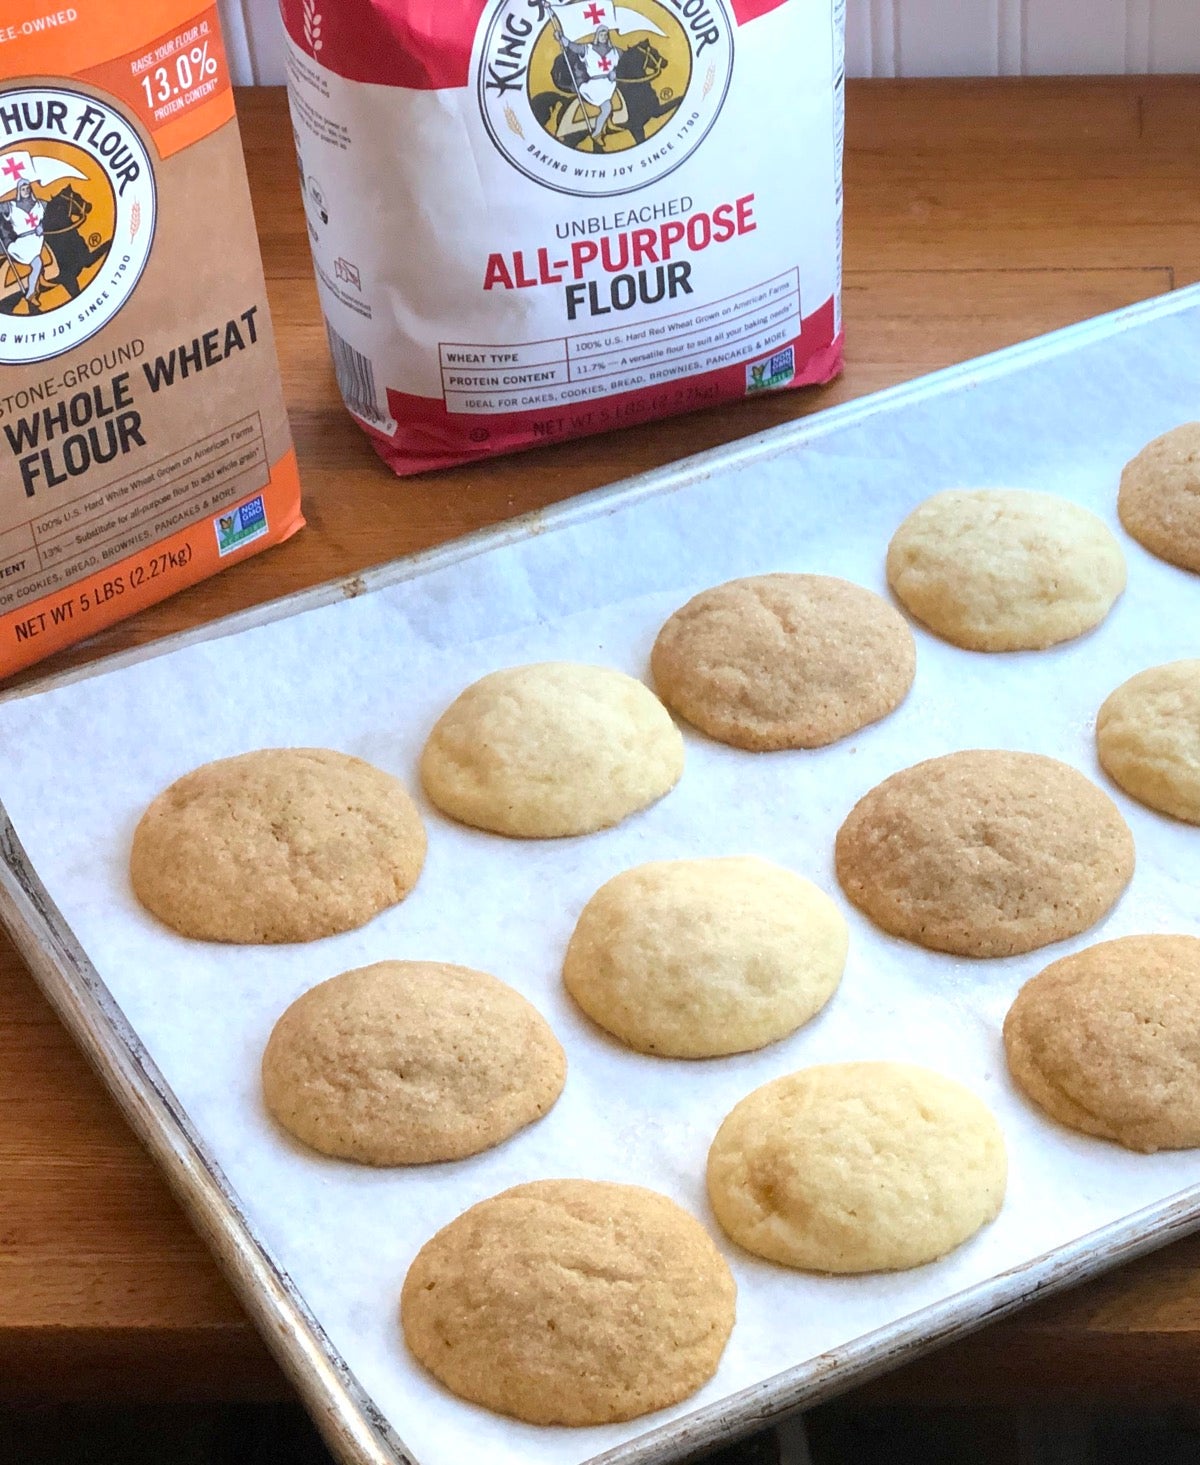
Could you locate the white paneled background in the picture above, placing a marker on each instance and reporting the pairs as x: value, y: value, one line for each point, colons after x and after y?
x: 912, y: 37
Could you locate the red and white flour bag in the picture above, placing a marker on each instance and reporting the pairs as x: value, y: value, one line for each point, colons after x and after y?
x: 533, y: 220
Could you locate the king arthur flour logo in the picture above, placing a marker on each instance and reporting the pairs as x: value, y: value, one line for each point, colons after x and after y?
x: 77, y: 215
x: 595, y: 97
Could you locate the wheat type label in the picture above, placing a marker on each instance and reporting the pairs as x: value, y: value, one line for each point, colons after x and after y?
x: 581, y: 215
x: 143, y: 438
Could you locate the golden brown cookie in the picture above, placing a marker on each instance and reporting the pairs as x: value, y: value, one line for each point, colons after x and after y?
x: 985, y: 853
x: 784, y: 661
x: 1105, y: 1041
x: 407, y: 1062
x: 1148, y: 738
x: 1005, y: 569
x: 570, y: 1302
x: 693, y: 958
x: 552, y: 749
x: 857, y: 1167
x: 1159, y: 499
x: 284, y: 844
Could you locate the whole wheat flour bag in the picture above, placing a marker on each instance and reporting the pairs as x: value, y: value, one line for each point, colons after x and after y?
x: 143, y: 438
x: 534, y: 220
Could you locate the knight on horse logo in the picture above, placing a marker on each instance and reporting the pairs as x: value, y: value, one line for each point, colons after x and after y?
x: 46, y: 257
x: 567, y: 90
x: 77, y: 216
x: 582, y: 105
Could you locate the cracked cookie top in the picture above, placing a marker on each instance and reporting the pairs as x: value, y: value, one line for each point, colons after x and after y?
x: 282, y: 844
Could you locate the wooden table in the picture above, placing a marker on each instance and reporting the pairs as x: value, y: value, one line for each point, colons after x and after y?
x: 977, y: 214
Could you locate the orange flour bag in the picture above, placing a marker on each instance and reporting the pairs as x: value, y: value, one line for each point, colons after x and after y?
x: 143, y: 439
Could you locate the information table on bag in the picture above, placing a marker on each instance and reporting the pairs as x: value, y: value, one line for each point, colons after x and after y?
x: 99, y: 528
x: 742, y: 327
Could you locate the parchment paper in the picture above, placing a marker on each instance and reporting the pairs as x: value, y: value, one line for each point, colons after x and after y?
x: 369, y: 676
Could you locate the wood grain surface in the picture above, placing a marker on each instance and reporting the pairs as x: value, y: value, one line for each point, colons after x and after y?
x: 977, y: 214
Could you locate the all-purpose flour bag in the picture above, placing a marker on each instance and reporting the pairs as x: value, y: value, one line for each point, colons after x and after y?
x: 534, y: 220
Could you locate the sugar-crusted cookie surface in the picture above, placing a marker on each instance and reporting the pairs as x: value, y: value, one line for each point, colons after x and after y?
x: 407, y: 1062
x: 282, y: 844
x: 551, y: 749
x: 784, y: 661
x: 570, y: 1302
x: 1005, y: 569
x: 693, y: 958
x: 1105, y: 1041
x: 857, y: 1167
x: 985, y: 853
x: 1148, y: 738
x: 1159, y: 498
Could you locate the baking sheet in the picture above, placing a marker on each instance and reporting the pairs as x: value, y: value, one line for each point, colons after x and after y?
x: 79, y: 762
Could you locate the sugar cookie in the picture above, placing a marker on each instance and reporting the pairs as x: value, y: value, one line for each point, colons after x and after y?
x: 407, y: 1062
x: 693, y: 958
x: 784, y: 661
x: 570, y: 1302
x: 283, y: 844
x: 1105, y: 1041
x: 857, y: 1167
x: 1148, y: 738
x: 985, y: 853
x: 1159, y: 498
x: 1005, y: 569
x: 551, y: 749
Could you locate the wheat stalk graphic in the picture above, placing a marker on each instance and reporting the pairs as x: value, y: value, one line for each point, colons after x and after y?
x: 312, y: 26
x: 135, y: 220
x: 513, y: 121
x: 709, y: 79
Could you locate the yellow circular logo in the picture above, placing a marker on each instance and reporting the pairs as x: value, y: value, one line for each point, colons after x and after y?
x: 596, y: 97
x: 77, y: 217
x: 57, y: 213
x: 608, y: 92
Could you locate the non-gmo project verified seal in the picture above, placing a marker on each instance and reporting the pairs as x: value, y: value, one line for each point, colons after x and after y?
x: 241, y: 525
x: 776, y: 372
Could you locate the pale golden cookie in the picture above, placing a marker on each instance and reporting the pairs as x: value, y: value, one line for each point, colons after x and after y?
x: 857, y: 1167
x: 407, y: 1062
x: 570, y: 1302
x: 784, y: 661
x: 1148, y: 738
x: 985, y: 853
x: 1005, y: 569
x: 1159, y: 500
x: 552, y: 749
x: 284, y: 844
x: 692, y: 958
x: 1107, y: 1041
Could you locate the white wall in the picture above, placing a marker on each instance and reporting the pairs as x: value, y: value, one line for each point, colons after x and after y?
x: 1021, y: 37
x: 912, y: 37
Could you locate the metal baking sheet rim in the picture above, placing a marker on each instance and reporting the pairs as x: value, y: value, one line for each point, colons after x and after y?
x: 352, y: 1426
